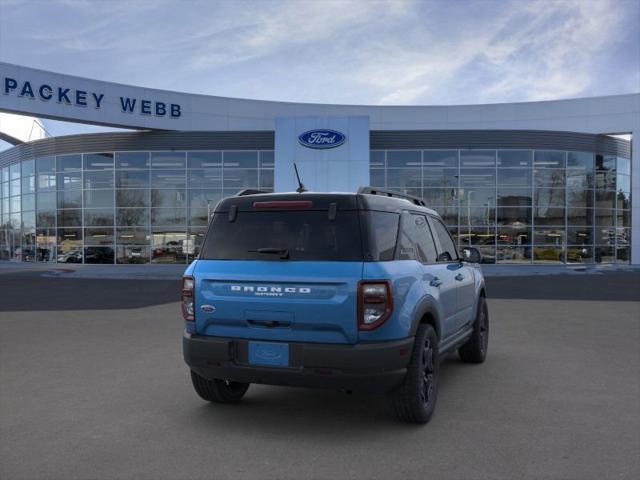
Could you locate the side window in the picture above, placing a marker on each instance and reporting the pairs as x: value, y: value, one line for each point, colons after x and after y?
x: 383, y: 228
x: 447, y: 252
x: 416, y: 242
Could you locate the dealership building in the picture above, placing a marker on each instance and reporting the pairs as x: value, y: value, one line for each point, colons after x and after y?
x: 538, y: 182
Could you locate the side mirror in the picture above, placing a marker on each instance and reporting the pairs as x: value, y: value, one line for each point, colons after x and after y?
x: 471, y: 255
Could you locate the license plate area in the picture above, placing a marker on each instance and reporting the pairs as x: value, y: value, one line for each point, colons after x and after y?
x: 269, y: 353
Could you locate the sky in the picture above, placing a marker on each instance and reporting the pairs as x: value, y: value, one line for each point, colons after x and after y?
x: 392, y: 52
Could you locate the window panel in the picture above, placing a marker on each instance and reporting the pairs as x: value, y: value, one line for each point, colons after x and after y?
x: 583, y: 160
x: 46, y: 219
x: 440, y: 159
x: 168, y: 179
x: 132, y: 160
x: 514, y: 197
x: 46, y: 200
x: 513, y: 254
x: 133, y: 198
x: 580, y: 216
x: 605, y: 235
x: 549, y: 236
x: 623, y: 218
x: 132, y: 236
x: 132, y: 254
x: 68, y: 162
x: 28, y: 168
x: 97, y: 161
x: 98, y: 199
x: 45, y: 165
x: 440, y: 177
x: 168, y: 217
x: 46, y: 181
x: 69, y: 180
x: 514, y: 235
x: 477, y: 216
x: 404, y: 177
x: 546, y: 197
x: 623, y: 183
x: 606, y: 199
x: 204, y: 198
x: 168, y: 246
x: 240, y: 159
x: 28, y: 184
x: 580, y: 198
x: 239, y: 178
x: 98, y: 217
x: 175, y: 198
x: 173, y: 160
x: 580, y: 236
x: 98, y: 236
x: 404, y: 158
x: 98, y: 179
x: 513, y: 216
x: 70, y: 218
x: 377, y: 159
x: 477, y: 158
x: 205, y: 178
x: 132, y: 216
x: 266, y: 179
x: 580, y: 254
x: 515, y: 158
x: 549, y: 178
x: 580, y: 179
x: 477, y: 177
x: 549, y: 159
x: 605, y: 254
x: 15, y: 204
x: 198, y: 217
x: 514, y: 177
x: 132, y: 179
x: 14, y: 187
x: 623, y: 200
x: 29, y: 202
x: 605, y: 217
x: 548, y: 254
x: 623, y: 166
x: 548, y: 215
x: 267, y: 159
x: 477, y: 236
x: 102, y: 254
x: 204, y: 159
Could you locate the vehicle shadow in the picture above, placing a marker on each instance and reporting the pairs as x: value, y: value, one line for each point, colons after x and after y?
x: 330, y: 415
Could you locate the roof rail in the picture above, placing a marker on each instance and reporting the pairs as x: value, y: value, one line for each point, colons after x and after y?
x: 249, y: 191
x: 390, y: 193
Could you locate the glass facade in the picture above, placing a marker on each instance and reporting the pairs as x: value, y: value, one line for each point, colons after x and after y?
x: 515, y: 206
x: 520, y: 206
x: 120, y: 207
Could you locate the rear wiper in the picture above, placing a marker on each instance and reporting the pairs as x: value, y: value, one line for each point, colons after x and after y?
x: 283, y: 252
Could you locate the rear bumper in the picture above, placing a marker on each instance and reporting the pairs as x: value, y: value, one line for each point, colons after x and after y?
x: 370, y: 367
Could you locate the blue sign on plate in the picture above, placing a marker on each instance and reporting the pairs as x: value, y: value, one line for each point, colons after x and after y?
x: 322, y: 138
x: 267, y: 353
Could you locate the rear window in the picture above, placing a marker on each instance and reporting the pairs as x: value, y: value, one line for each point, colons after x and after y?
x: 290, y: 235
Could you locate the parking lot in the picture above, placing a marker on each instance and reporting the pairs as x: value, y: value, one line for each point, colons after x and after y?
x: 93, y: 386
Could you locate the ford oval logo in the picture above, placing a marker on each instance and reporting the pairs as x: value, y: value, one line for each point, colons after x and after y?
x: 322, y: 138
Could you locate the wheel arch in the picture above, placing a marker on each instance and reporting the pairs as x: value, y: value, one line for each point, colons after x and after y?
x: 427, y: 313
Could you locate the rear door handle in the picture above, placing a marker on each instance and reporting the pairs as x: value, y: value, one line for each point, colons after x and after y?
x: 436, y: 282
x: 459, y: 277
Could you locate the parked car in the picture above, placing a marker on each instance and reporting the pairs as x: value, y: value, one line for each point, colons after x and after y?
x: 362, y: 291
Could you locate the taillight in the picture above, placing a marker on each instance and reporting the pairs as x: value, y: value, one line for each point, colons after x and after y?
x: 188, y: 284
x: 375, y: 303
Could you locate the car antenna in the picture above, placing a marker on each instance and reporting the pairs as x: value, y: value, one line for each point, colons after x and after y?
x: 300, y: 188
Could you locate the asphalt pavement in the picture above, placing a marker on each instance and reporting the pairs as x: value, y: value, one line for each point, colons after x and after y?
x: 93, y: 386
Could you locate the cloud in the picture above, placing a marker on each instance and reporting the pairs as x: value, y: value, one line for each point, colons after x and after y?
x: 337, y: 51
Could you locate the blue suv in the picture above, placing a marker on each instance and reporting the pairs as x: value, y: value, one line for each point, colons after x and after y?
x: 356, y: 292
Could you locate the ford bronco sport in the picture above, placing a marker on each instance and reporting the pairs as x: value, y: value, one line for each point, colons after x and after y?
x: 357, y: 292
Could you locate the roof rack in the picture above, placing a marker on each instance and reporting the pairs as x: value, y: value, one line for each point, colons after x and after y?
x: 389, y: 193
x: 249, y: 191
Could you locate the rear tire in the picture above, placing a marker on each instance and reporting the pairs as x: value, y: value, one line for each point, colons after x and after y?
x: 475, y: 349
x: 218, y: 391
x: 415, y: 400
